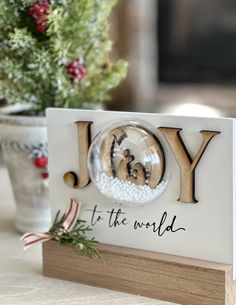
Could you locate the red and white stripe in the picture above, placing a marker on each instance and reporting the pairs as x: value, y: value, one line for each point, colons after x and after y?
x: 71, y: 215
x: 31, y: 239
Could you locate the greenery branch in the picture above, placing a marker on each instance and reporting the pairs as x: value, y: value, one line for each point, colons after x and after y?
x: 76, y: 237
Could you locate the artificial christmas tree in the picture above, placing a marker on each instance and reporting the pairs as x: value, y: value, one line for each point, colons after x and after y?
x: 56, y: 53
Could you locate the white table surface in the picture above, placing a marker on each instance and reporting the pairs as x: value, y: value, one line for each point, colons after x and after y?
x: 21, y: 279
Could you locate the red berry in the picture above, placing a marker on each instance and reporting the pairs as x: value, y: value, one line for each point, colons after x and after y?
x: 44, y: 175
x: 41, y: 162
x: 38, y: 11
x: 40, y: 27
x: 76, y: 69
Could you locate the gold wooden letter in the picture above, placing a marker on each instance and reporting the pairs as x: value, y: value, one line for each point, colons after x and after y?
x: 185, y: 162
x: 84, y: 138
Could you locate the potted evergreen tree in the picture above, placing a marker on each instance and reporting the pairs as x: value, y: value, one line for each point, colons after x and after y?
x: 53, y: 53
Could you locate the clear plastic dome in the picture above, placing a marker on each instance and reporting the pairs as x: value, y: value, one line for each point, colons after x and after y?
x: 127, y: 163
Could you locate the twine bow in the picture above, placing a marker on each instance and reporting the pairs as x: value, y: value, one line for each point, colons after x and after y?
x: 69, y: 221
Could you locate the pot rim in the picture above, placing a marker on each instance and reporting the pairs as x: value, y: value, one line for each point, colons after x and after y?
x: 23, y: 120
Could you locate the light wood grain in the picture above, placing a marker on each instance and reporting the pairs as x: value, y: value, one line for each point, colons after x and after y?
x: 84, y: 140
x: 165, y: 277
x: 186, y: 164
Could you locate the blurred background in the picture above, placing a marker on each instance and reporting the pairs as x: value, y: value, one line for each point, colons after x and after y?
x: 182, y: 56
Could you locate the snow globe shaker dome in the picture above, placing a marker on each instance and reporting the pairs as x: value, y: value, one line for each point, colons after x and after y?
x: 127, y: 163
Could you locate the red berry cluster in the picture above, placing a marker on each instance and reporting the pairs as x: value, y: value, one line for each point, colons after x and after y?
x: 76, y: 69
x: 39, y: 11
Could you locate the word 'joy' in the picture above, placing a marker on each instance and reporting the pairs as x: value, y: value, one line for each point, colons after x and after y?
x: 139, y: 175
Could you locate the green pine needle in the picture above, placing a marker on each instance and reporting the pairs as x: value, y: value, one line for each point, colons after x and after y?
x: 76, y: 237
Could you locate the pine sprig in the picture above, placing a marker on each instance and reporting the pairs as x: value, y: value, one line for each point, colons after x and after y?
x: 76, y: 237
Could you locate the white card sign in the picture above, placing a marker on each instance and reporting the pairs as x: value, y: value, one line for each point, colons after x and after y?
x: 148, y: 181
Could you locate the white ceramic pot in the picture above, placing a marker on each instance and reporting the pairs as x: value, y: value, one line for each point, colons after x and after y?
x: 18, y: 136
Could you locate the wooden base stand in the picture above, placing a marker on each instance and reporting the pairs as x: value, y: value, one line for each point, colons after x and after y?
x: 160, y: 276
